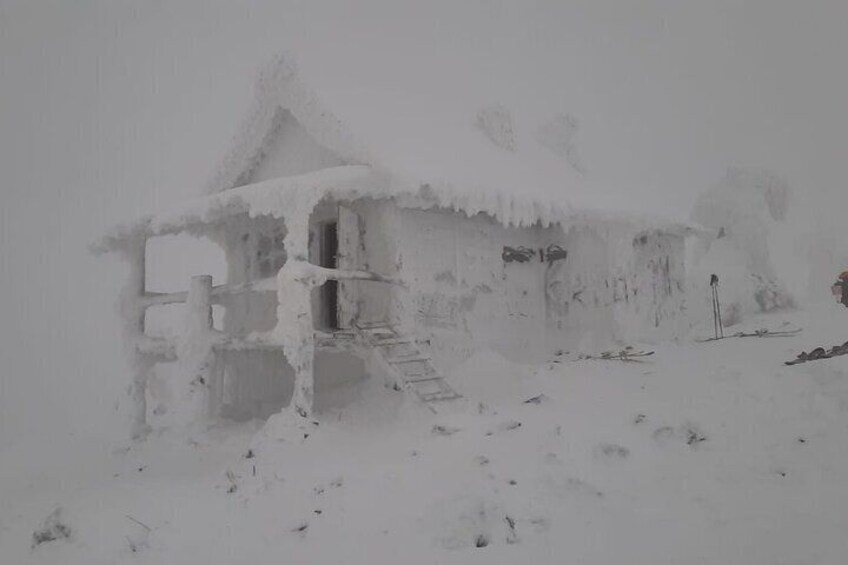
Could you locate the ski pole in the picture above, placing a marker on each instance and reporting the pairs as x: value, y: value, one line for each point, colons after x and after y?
x: 715, y: 312
x: 716, y: 309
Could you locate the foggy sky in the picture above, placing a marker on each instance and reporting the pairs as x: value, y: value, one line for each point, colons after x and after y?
x: 113, y: 108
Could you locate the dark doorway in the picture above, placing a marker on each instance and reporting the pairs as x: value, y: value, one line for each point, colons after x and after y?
x: 330, y: 259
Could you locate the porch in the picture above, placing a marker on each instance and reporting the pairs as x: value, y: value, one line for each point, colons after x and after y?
x: 289, y: 300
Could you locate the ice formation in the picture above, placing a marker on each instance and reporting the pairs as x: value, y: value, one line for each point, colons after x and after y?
x: 743, y: 211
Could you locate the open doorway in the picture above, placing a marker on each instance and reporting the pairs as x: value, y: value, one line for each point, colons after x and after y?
x: 329, y: 258
x: 334, y: 244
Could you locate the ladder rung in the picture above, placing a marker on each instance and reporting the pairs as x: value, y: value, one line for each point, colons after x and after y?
x: 411, y: 360
x: 424, y: 378
x: 437, y: 396
x: 374, y: 326
x: 390, y: 342
x: 376, y: 339
x: 427, y: 371
x: 401, y: 357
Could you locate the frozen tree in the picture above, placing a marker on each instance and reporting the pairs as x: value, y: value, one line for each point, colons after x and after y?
x: 742, y: 212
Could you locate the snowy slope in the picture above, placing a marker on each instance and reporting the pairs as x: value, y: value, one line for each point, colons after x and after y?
x: 705, y: 453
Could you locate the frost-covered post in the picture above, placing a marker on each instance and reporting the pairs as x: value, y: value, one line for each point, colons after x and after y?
x: 132, y: 325
x: 295, y: 328
x: 199, y: 305
x: 195, y: 349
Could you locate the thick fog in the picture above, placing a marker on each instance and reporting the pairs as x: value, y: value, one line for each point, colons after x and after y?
x: 112, y: 109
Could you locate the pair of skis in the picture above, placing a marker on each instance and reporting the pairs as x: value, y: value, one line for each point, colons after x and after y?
x: 627, y: 355
x: 820, y: 353
x: 756, y: 333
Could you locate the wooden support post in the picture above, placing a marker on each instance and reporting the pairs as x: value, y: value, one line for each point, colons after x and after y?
x: 199, y: 304
x: 195, y: 351
x: 295, y: 328
x: 132, y: 317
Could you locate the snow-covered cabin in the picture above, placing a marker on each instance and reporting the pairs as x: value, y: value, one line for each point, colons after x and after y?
x: 345, y: 263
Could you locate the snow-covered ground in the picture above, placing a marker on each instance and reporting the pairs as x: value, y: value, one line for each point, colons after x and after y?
x: 703, y: 453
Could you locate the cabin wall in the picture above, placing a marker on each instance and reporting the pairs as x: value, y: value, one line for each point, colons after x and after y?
x: 615, y: 287
x: 580, y: 290
x: 258, y: 384
x: 657, y: 307
x: 252, y: 384
x: 525, y: 292
x: 462, y: 294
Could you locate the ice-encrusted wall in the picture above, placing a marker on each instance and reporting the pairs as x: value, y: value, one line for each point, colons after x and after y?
x: 580, y: 291
x: 461, y: 292
x: 472, y: 283
x: 654, y: 290
x: 615, y: 286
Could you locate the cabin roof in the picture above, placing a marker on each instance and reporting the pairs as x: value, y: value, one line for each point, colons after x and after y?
x: 426, y: 137
x: 298, y: 195
x: 394, y: 148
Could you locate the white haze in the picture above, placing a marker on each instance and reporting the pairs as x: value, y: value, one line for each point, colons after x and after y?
x: 109, y: 109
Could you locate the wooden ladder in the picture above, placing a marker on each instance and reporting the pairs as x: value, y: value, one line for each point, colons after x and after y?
x: 413, y: 370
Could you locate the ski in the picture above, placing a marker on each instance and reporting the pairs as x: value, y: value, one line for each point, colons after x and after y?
x: 820, y: 353
x: 756, y: 333
x: 626, y: 354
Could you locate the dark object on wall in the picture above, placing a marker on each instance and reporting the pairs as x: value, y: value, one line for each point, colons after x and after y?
x: 517, y: 254
x: 553, y: 253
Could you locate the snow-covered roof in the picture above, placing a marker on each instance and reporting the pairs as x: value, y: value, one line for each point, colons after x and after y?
x: 286, y: 196
x: 457, y: 145
x: 460, y: 158
x: 279, y: 87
